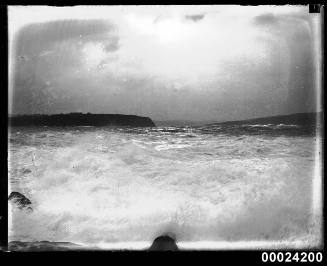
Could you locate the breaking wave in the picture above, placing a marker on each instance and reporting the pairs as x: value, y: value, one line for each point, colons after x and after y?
x: 91, y: 185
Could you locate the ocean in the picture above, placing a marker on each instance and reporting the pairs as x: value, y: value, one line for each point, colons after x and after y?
x: 208, y: 186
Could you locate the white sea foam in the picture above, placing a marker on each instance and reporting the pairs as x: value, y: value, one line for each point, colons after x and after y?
x: 107, y: 186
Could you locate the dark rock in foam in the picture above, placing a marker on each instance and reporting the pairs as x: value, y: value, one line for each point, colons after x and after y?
x: 26, y: 171
x: 20, y: 200
x: 164, y: 243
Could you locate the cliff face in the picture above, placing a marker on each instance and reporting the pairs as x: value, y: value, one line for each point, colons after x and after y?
x: 80, y: 119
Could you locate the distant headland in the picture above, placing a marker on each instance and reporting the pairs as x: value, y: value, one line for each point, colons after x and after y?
x: 80, y: 119
x: 306, y: 119
x: 296, y: 119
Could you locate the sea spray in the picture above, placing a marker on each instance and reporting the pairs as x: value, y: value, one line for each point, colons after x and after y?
x: 107, y: 185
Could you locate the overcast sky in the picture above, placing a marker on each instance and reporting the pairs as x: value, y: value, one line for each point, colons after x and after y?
x: 174, y: 62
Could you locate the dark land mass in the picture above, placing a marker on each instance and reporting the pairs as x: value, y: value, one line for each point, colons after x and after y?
x: 292, y: 119
x: 295, y: 119
x: 80, y: 119
x: 300, y: 124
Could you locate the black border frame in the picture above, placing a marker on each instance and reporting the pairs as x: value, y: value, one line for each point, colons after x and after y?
x: 243, y: 256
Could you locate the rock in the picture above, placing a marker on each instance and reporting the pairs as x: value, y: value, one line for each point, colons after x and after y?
x: 164, y: 243
x: 26, y: 171
x: 20, y: 200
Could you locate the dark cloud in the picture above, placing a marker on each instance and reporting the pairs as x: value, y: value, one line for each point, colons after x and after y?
x: 265, y: 19
x: 281, y: 20
x: 194, y: 18
x: 64, y: 29
x: 296, y: 31
x: 34, y: 37
x: 45, y: 51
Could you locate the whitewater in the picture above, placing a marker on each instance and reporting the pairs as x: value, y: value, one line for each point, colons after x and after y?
x: 209, y: 186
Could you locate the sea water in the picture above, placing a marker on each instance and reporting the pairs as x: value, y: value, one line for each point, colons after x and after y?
x: 98, y: 186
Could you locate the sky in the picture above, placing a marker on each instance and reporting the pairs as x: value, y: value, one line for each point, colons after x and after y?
x: 199, y: 63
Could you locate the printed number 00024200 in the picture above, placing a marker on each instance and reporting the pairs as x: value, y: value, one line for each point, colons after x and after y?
x: 289, y: 257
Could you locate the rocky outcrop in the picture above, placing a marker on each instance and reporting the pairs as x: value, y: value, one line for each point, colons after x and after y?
x: 164, y: 243
x: 20, y: 200
x: 80, y: 119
